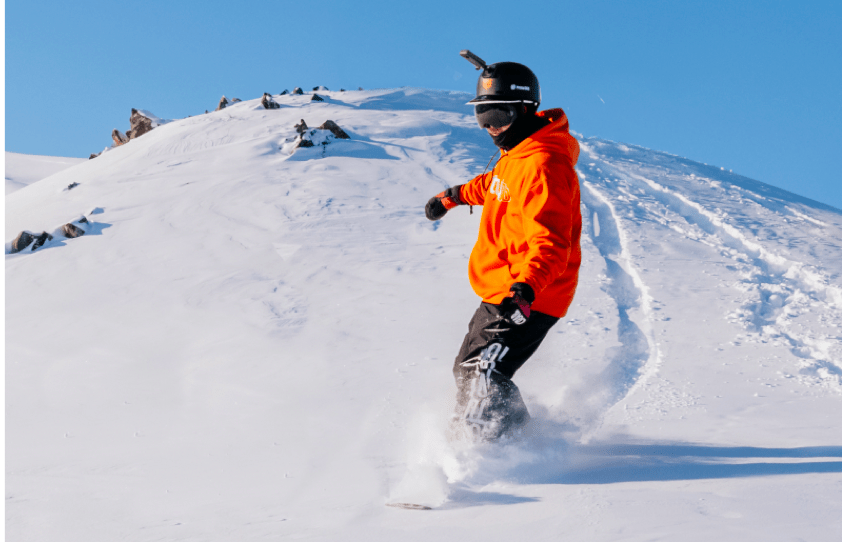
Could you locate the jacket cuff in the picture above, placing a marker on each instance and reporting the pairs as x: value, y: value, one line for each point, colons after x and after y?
x: 454, y: 194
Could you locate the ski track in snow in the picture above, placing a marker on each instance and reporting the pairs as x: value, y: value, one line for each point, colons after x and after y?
x: 638, y: 357
x: 777, y: 289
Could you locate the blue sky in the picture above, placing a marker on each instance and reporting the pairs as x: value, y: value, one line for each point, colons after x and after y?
x: 752, y: 86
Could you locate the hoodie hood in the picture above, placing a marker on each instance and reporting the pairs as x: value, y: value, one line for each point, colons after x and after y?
x: 554, y: 137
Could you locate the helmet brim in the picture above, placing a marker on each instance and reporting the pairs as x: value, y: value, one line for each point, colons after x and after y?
x: 497, y: 100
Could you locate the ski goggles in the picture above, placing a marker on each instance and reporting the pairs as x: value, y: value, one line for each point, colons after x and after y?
x: 495, y: 115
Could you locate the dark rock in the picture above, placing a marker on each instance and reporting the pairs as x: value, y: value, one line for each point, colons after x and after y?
x: 341, y: 90
x: 41, y: 239
x: 140, y: 125
x: 119, y: 138
x: 320, y: 87
x: 23, y: 240
x: 268, y: 102
x: 71, y: 186
x: 297, y: 90
x: 360, y: 88
x: 284, y: 93
x: 223, y: 103
x: 71, y: 232
x: 235, y: 100
x: 84, y: 220
x: 317, y: 98
x: 304, y: 143
x: 334, y: 129
x: 301, y: 128
x: 92, y: 156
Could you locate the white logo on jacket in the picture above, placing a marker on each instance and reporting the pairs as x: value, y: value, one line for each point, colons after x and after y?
x: 498, y: 188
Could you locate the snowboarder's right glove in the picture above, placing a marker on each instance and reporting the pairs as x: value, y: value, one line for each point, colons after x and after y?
x: 440, y: 204
x: 516, y: 308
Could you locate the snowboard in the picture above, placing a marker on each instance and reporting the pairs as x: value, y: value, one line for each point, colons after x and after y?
x: 408, y: 506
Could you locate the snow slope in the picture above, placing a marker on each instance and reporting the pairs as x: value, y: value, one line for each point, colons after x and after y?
x: 25, y: 169
x: 250, y: 344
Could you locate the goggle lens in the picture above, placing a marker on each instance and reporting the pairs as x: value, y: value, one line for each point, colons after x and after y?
x: 495, y: 115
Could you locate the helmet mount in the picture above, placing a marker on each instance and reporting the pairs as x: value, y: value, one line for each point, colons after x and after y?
x: 473, y: 59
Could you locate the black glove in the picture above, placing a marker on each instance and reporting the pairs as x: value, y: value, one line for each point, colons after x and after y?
x: 440, y: 204
x: 516, y: 307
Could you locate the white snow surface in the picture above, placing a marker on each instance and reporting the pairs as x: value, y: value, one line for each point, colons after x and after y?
x: 249, y: 344
x: 24, y: 169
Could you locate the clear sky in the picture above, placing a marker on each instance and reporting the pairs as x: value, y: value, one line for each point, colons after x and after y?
x: 753, y: 86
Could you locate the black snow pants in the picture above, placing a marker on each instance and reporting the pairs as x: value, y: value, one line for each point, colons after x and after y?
x: 487, y: 400
x: 487, y: 327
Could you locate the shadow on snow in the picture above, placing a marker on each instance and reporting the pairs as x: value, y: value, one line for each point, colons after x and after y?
x: 618, y: 463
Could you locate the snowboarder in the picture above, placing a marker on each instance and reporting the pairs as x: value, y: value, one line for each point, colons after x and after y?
x: 525, y: 263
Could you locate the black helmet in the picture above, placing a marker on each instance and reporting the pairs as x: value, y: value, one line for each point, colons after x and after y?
x: 507, y: 82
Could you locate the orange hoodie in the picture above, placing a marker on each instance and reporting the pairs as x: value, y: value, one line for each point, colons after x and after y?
x: 531, y: 222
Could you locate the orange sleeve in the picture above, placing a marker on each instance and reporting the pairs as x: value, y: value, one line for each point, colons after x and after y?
x: 473, y: 192
x: 547, y: 198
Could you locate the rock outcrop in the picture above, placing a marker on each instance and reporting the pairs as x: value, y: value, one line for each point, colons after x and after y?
x: 268, y: 102
x: 297, y: 90
x: 223, y: 103
x: 41, y: 239
x: 72, y: 231
x: 334, y: 128
x: 30, y: 242
x: 26, y: 239
x: 119, y: 138
x: 140, y: 125
x: 317, y: 98
x: 23, y: 240
x: 323, y: 135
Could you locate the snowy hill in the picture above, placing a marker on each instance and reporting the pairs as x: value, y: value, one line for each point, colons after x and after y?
x: 25, y: 169
x: 252, y: 344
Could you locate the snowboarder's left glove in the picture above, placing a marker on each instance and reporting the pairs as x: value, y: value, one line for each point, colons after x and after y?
x: 516, y: 308
x: 441, y: 203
